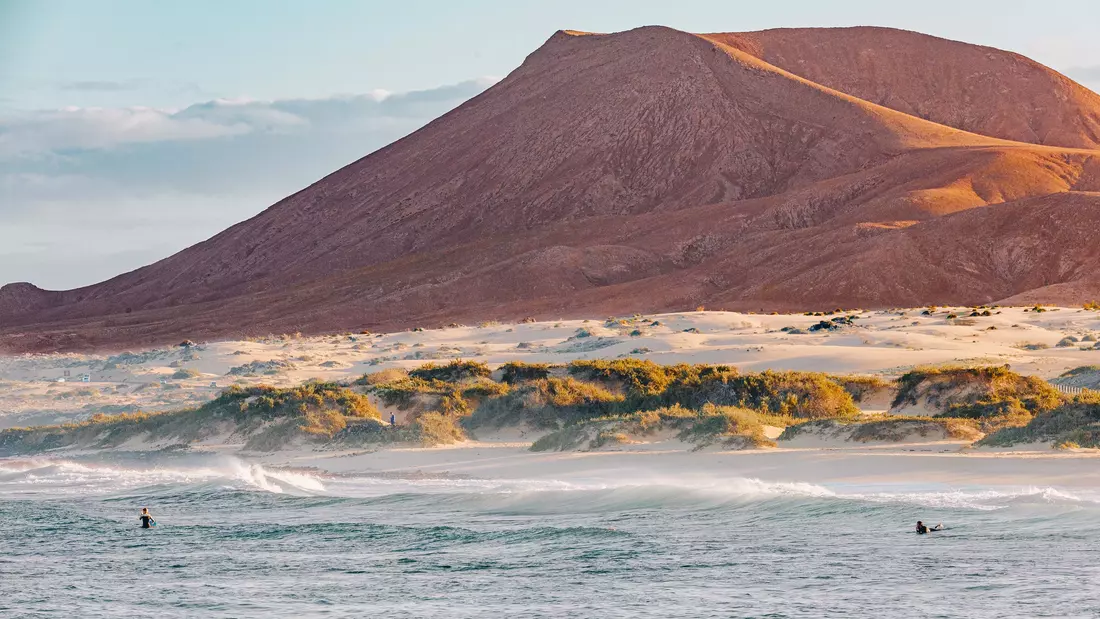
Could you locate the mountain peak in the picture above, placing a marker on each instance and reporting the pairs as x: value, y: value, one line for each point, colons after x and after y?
x: 655, y: 169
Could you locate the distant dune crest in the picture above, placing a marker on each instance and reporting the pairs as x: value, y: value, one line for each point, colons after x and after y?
x: 656, y: 170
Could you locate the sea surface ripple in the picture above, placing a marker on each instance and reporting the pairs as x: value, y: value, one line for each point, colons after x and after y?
x: 238, y: 540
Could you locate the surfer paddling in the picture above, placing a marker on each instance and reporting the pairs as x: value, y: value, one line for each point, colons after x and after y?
x: 922, y: 528
x: 146, y: 519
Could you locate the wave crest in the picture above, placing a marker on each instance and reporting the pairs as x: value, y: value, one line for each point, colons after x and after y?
x: 47, y: 475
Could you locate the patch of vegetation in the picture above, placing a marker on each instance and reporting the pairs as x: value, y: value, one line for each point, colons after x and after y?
x: 546, y: 403
x: 897, y: 429
x: 452, y: 372
x: 382, y: 376
x: 264, y: 417
x: 887, y: 428
x: 186, y: 374
x: 605, y: 437
x: 518, y: 371
x: 1076, y: 421
x: 484, y: 389
x: 597, y: 403
x: 1079, y: 371
x: 728, y: 427
x: 804, y: 395
x: 975, y: 392
x: 647, y: 385
x: 408, y: 392
x: 256, y: 368
x: 439, y: 429
x: 640, y: 377
x: 568, y: 438
x: 831, y: 325
x: 129, y: 358
x: 860, y: 387
x: 1033, y: 346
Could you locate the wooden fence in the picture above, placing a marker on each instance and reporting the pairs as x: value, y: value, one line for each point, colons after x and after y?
x: 1068, y: 390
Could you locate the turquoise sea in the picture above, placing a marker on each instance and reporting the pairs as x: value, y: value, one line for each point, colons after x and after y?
x: 237, y: 540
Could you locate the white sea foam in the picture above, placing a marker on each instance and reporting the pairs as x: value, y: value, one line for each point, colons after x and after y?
x: 41, y: 475
x: 47, y: 475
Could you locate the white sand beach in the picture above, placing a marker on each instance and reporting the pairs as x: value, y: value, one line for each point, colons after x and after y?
x: 883, y: 343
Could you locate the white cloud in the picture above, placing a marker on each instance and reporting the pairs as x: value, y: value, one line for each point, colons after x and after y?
x: 40, y: 132
x: 113, y: 188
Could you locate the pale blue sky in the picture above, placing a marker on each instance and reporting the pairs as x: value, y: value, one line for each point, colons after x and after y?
x: 174, y: 53
x: 115, y: 149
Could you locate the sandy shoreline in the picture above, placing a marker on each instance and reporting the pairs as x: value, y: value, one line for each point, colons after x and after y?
x: 43, y: 389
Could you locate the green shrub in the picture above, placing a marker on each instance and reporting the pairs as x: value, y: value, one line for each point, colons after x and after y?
x: 975, y: 392
x: 452, y: 372
x: 727, y: 426
x: 546, y: 403
x: 639, y: 377
x: 312, y: 409
x: 439, y: 429
x: 382, y: 377
x: 888, y: 428
x: 804, y: 395
x: 899, y: 428
x: 402, y: 393
x: 1076, y: 421
x: 734, y: 427
x: 485, y: 389
x: 323, y: 422
x: 517, y: 371
x: 1079, y: 371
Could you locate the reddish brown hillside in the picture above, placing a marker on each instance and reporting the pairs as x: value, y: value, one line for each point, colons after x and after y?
x: 645, y: 170
x: 970, y: 87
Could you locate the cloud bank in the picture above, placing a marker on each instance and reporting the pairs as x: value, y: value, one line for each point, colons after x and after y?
x: 88, y: 193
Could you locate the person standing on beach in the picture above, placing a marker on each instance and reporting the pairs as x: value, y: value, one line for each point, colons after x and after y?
x: 393, y: 420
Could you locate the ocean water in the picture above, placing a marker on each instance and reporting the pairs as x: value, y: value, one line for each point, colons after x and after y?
x: 237, y: 540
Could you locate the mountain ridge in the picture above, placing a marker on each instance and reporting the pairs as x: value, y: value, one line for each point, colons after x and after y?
x: 607, y: 165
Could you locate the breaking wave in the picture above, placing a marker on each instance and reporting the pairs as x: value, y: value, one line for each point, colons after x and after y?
x: 46, y: 476
x: 56, y: 476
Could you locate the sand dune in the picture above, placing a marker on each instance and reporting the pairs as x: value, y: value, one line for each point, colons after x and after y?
x: 883, y: 343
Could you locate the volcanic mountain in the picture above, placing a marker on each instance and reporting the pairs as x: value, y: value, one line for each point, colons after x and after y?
x: 656, y: 170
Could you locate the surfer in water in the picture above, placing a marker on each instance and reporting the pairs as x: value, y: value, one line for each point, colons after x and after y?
x: 922, y: 529
x: 146, y: 519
